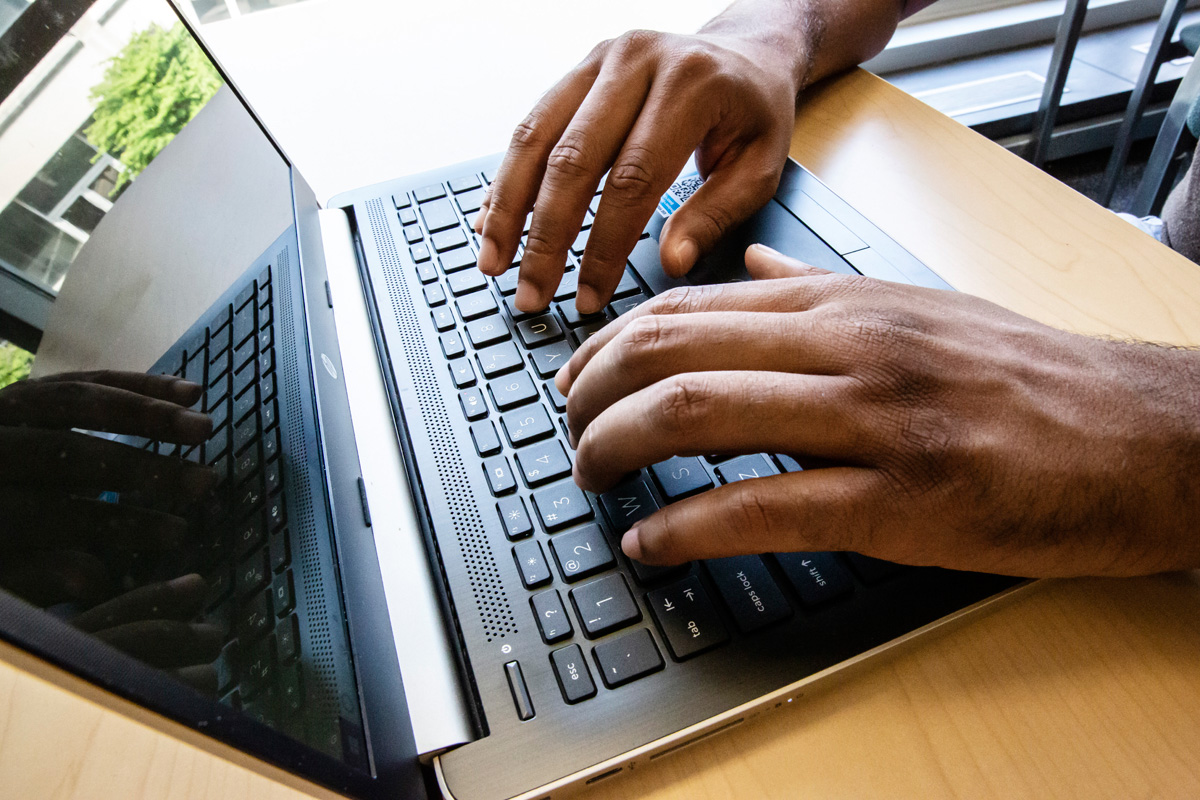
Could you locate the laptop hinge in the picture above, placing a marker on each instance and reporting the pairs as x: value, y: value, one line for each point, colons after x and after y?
x: 438, y: 705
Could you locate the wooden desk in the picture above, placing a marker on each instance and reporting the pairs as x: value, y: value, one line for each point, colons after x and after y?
x: 1087, y: 688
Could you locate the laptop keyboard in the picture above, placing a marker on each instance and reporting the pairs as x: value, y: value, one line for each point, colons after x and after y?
x: 245, y: 550
x: 583, y: 592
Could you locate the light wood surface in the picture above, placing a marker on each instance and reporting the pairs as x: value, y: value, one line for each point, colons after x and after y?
x: 1087, y: 688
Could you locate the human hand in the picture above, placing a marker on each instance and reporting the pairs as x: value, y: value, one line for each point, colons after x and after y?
x: 959, y: 434
x: 641, y: 104
x: 58, y: 533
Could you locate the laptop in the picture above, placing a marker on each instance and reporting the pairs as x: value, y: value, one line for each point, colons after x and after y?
x: 410, y: 594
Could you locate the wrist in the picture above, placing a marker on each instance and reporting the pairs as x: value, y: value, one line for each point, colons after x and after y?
x: 782, y: 31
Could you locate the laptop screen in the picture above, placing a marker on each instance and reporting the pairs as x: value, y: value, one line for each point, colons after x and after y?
x: 158, y: 515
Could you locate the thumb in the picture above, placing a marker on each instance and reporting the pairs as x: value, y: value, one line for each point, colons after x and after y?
x: 729, y: 195
x: 763, y: 263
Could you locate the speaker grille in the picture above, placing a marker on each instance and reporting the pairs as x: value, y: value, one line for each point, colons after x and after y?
x: 321, y: 696
x: 486, y: 586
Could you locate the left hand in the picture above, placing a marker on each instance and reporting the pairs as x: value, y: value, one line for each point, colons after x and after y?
x: 958, y: 434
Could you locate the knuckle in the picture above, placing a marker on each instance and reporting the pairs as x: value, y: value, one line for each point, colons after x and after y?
x: 684, y: 404
x: 679, y: 300
x: 528, y: 133
x: 633, y: 176
x: 637, y: 41
x: 570, y: 157
x: 641, y: 341
x: 752, y: 512
x: 539, y: 243
x: 697, y: 62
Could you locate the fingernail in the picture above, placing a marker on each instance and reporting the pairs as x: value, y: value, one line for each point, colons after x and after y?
x: 686, y: 253
x: 528, y: 298
x: 631, y: 544
x: 763, y: 248
x: 189, y: 582
x: 587, y: 300
x: 489, y: 257
x: 184, y: 391
x: 562, y: 381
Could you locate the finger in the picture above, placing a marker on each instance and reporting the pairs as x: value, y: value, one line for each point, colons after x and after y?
x: 50, y: 519
x: 765, y: 263
x: 49, y: 577
x: 839, y: 508
x: 752, y: 296
x: 483, y: 209
x: 740, y: 185
x: 200, y: 676
x: 66, y: 403
x: 179, y: 599
x: 657, y: 346
x: 79, y: 463
x: 164, y: 387
x: 520, y: 174
x: 664, y: 136
x: 166, y: 643
x: 574, y: 167
x: 722, y: 412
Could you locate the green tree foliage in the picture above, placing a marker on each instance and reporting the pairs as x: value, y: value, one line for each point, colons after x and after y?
x: 151, y: 89
x: 15, y: 364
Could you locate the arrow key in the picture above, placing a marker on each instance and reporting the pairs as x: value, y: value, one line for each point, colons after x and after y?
x: 686, y: 618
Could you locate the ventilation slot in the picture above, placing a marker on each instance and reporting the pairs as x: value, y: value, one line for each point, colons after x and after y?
x: 321, y: 695
x: 699, y: 738
x: 486, y: 586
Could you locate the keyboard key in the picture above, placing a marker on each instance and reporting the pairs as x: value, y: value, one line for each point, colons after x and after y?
x: 749, y: 591
x: 269, y: 414
x: 574, y: 678
x: 498, y: 359
x: 627, y: 504
x: 291, y: 696
x: 427, y: 193
x: 517, y: 314
x: 551, y: 616
x: 626, y: 304
x: 419, y: 253
x: 557, y: 401
x: 435, y: 295
x: 252, y: 574
x: 816, y: 577
x: 483, y: 434
x: 531, y: 563
x: 452, y: 344
x: 427, y: 272
x: 243, y: 325
x: 520, y: 692
x: 744, y: 468
x: 573, y: 318
x: 283, y: 594
x: 408, y: 216
x: 499, y: 475
x: 582, y: 552
x: 280, y: 550
x: 473, y: 405
x: 448, y: 240
x: 788, y: 464
x: 462, y: 372
x: 455, y: 259
x: 443, y: 319
x: 487, y: 331
x: 686, y: 617
x: 542, y: 463
x: 514, y: 517
x: 255, y: 618
x: 245, y: 465
x: 463, y: 184
x: 561, y: 505
x: 626, y: 287
x: 539, y: 330
x: 413, y: 234
x: 680, y: 476
x: 627, y: 658
x: 470, y: 201
x: 468, y: 280
x: 526, y: 425
x: 287, y: 639
x: 512, y: 390
x: 507, y: 283
x: 401, y: 200
x: 568, y: 286
x: 605, y: 605
x: 439, y: 215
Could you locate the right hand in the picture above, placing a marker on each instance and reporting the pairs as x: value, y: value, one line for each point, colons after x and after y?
x: 637, y: 107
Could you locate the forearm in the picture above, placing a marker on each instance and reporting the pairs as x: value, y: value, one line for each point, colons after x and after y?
x: 821, y: 37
